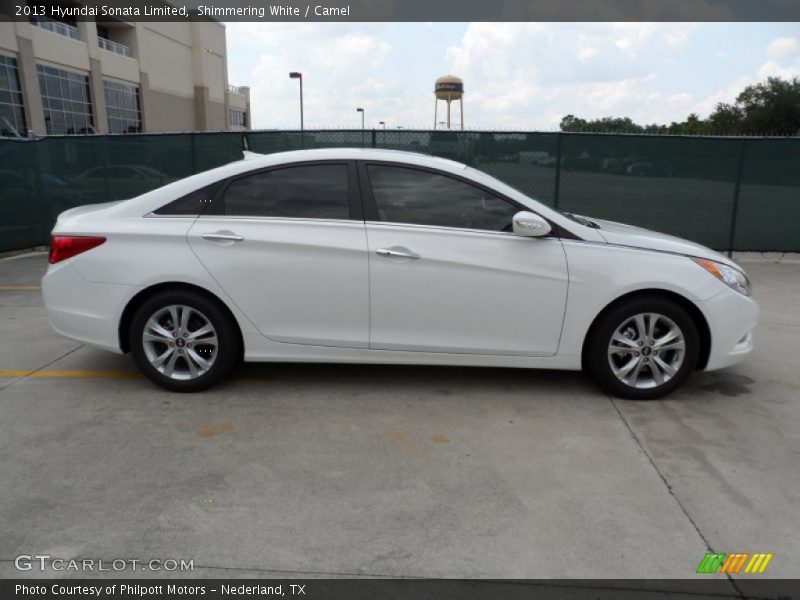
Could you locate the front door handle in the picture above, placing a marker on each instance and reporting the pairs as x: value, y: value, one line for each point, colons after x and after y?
x: 397, y: 252
x: 222, y: 236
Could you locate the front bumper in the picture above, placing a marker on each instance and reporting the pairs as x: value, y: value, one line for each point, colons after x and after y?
x: 731, y: 319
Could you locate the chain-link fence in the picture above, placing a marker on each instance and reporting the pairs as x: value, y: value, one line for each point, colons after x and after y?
x: 727, y: 193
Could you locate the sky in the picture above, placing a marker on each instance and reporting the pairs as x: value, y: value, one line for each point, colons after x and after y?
x: 516, y: 75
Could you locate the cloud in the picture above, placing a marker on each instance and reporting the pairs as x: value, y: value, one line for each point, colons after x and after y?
x: 586, y: 53
x: 349, y: 53
x: 772, y: 68
x: 783, y: 46
x: 784, y: 53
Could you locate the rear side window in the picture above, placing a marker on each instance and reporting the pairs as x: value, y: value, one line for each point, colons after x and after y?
x: 405, y: 195
x: 305, y: 191
x: 192, y: 204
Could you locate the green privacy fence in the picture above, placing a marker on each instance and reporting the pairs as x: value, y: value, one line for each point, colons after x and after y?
x: 727, y: 193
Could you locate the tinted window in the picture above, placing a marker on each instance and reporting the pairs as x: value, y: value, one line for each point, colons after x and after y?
x: 312, y: 191
x: 405, y: 195
x: 192, y: 203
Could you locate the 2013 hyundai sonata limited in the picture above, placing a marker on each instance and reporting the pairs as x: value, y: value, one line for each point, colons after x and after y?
x: 374, y: 256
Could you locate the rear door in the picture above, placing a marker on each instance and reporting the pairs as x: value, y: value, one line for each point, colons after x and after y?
x: 289, y: 247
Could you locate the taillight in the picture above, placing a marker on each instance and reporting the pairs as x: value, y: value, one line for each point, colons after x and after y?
x: 63, y: 247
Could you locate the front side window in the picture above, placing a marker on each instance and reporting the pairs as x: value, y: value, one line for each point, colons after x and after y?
x: 407, y: 195
x: 305, y: 191
x: 123, y: 107
x: 66, y: 101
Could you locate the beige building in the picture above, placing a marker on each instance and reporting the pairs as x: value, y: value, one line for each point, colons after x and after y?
x: 116, y: 76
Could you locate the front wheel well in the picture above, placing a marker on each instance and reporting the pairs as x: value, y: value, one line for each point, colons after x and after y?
x: 689, y: 306
x: 138, y: 299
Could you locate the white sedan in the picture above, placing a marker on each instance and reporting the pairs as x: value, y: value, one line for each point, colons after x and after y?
x: 375, y: 256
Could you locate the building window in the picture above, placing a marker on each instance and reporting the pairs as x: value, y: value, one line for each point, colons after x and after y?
x: 66, y: 100
x: 123, y: 107
x: 12, y: 113
x: 237, y: 117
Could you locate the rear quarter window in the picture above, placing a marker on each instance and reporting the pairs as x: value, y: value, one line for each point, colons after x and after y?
x: 192, y: 204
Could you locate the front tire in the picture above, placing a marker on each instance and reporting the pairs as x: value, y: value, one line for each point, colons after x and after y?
x: 643, y: 349
x: 183, y: 340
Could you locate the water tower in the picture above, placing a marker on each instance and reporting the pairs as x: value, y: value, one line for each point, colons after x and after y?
x: 449, y: 88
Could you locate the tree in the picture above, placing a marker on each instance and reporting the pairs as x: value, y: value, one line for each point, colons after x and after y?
x: 726, y: 118
x: 604, y: 125
x: 573, y: 123
x: 771, y: 107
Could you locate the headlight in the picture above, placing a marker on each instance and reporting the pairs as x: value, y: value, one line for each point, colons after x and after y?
x: 728, y: 275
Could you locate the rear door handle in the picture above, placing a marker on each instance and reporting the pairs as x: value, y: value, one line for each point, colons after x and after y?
x: 222, y: 236
x: 397, y: 252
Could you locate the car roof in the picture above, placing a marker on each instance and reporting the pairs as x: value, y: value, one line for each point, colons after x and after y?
x: 416, y: 158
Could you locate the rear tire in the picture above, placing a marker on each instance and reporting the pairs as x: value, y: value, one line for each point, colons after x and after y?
x: 184, y: 341
x: 643, y: 349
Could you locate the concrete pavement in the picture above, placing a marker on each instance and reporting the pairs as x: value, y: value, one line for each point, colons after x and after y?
x: 325, y: 470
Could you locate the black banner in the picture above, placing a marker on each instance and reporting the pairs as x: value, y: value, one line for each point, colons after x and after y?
x: 391, y: 589
x: 406, y: 10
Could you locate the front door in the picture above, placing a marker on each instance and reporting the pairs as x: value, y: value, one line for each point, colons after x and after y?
x: 446, y: 274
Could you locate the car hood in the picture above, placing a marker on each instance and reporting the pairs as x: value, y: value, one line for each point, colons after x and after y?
x: 637, y: 237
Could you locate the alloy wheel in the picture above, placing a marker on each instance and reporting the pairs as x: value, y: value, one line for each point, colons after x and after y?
x: 646, y: 350
x: 180, y: 342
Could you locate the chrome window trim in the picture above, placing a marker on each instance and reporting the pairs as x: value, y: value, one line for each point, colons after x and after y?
x: 276, y: 219
x: 446, y: 229
x: 152, y: 215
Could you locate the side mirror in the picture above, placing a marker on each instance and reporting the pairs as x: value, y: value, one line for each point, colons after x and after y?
x: 528, y: 224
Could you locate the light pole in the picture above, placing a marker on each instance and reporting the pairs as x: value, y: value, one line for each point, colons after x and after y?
x: 361, y: 110
x: 297, y: 75
x: 383, y: 137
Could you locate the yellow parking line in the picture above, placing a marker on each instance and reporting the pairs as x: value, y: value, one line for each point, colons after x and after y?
x: 16, y: 288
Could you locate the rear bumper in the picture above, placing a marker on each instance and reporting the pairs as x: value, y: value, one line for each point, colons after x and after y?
x: 731, y: 318
x: 84, y: 311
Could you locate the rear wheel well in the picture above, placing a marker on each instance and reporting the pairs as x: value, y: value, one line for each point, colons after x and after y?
x: 689, y: 306
x: 138, y: 299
